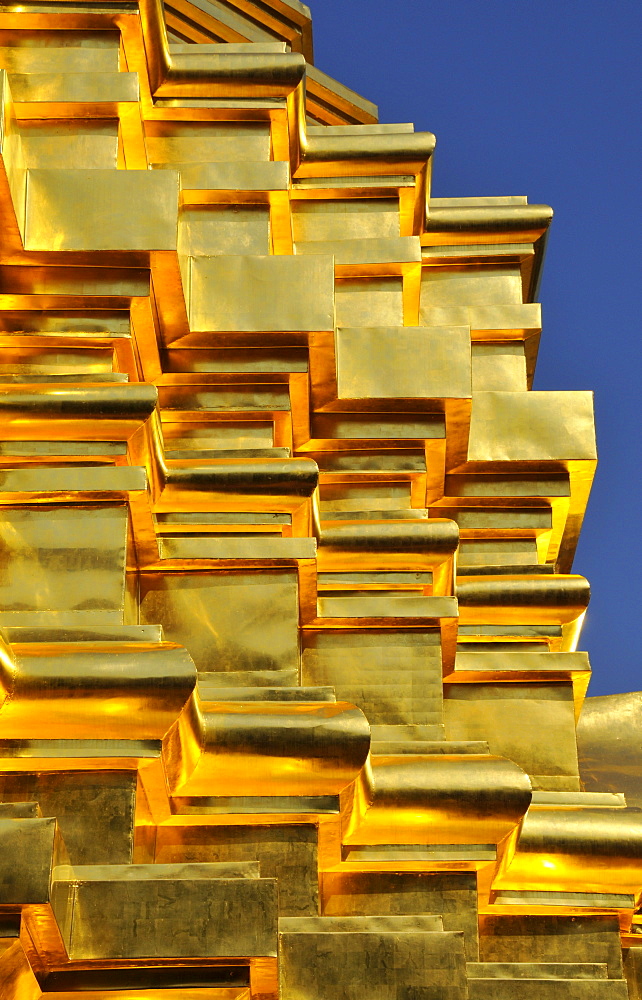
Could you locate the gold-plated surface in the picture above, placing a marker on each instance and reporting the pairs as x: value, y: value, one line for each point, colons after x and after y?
x: 290, y: 696
x: 609, y: 744
x: 250, y: 294
x: 101, y: 210
x: 227, y: 898
x: 369, y: 956
x: 441, y: 366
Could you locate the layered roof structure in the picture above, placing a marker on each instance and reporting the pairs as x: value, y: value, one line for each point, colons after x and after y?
x: 291, y: 695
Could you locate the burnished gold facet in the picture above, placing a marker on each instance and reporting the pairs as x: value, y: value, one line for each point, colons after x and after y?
x: 290, y: 698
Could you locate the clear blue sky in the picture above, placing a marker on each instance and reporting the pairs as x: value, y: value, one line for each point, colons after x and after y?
x: 541, y: 98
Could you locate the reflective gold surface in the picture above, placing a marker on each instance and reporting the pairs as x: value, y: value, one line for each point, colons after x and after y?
x: 290, y: 697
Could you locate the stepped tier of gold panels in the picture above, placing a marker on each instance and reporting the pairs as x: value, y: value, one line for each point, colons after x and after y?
x: 290, y: 691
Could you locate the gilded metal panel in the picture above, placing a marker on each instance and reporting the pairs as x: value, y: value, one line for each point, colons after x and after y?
x: 545, y: 426
x: 441, y: 368
x: 608, y: 742
x: 185, y: 142
x: 94, y: 810
x: 344, y: 220
x: 358, y: 667
x: 227, y: 621
x: 369, y: 302
x: 552, y: 938
x: 249, y: 293
x: 58, y: 559
x: 69, y: 145
x: 499, y: 367
x: 230, y: 916
x: 543, y: 743
x: 216, y: 229
x: 451, y: 894
x: 101, y: 210
x: 451, y: 286
x: 286, y: 853
x: 379, y: 956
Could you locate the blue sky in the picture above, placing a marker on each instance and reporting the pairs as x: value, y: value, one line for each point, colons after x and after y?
x: 542, y: 98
